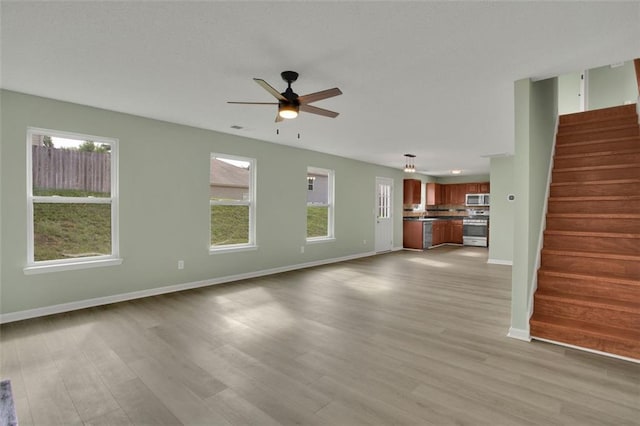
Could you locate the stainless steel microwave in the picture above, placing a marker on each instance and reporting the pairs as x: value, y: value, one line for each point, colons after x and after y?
x: 476, y: 199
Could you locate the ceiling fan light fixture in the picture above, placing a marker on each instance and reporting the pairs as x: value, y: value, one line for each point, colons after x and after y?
x: 288, y: 111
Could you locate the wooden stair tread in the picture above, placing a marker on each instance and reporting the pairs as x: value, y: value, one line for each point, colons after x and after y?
x: 576, y: 253
x: 594, y: 215
x: 590, y: 277
x: 590, y: 328
x: 603, y: 167
x: 562, y: 131
x: 597, y: 182
x: 605, y: 140
x: 601, y: 114
x: 597, y: 198
x: 598, y: 153
x: 590, y: 301
x: 592, y: 234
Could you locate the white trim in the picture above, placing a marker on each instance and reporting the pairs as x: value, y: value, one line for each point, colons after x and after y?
x: 251, y: 203
x: 543, y: 223
x: 36, y: 267
x: 500, y: 262
x: 98, y: 301
x: 67, y: 265
x: 316, y: 240
x: 593, y: 351
x: 231, y: 248
x: 520, y: 334
x: 331, y: 190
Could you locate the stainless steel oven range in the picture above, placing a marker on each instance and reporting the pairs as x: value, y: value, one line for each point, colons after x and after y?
x: 475, y: 231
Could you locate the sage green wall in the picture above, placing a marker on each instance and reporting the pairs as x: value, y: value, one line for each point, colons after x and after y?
x: 164, y: 204
x: 612, y: 86
x: 501, y: 229
x: 463, y: 179
x: 536, y: 108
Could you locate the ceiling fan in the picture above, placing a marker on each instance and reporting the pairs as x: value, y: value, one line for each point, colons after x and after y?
x: 289, y: 103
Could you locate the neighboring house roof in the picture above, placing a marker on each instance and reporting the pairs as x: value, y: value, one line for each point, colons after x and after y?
x: 225, y: 174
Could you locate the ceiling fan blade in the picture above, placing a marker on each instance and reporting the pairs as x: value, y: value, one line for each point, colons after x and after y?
x: 320, y: 111
x: 253, y: 103
x: 278, y: 118
x: 317, y: 96
x: 266, y: 86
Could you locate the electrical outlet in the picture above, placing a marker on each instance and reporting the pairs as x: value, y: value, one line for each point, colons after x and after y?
x: 301, y: 249
x: 364, y: 242
x: 180, y: 264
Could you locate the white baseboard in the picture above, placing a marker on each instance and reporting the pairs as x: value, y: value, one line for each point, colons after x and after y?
x: 593, y: 351
x: 520, y: 334
x: 500, y: 262
x: 106, y: 300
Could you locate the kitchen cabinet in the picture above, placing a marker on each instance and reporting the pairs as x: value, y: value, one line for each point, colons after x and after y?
x: 477, y: 188
x: 412, y: 234
x: 458, y: 192
x: 453, y: 194
x: 435, y: 194
x: 473, y: 188
x: 456, y: 232
x: 412, y: 189
x: 438, y: 232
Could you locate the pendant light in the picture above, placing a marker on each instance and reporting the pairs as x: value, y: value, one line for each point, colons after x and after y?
x: 409, y: 165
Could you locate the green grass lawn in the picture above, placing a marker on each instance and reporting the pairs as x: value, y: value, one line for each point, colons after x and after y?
x: 317, y: 221
x: 65, y: 231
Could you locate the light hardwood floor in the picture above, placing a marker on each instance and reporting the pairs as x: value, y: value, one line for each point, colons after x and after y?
x: 402, y: 338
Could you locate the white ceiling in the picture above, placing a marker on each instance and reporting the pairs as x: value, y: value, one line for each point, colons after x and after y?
x: 430, y: 78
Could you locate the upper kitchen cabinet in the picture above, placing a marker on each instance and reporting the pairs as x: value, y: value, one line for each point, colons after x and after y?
x: 435, y: 194
x: 477, y: 188
x: 412, y: 189
x: 454, y: 194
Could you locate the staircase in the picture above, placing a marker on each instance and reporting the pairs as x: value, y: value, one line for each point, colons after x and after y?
x: 588, y: 291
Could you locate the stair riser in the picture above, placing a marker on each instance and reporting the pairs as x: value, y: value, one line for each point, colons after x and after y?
x: 599, y: 114
x: 598, y: 160
x: 603, y: 146
x: 565, y: 308
x: 595, y: 175
x: 597, y: 135
x: 612, y: 122
x: 591, y: 265
x: 615, y: 206
x: 592, y: 244
x: 593, y: 225
x: 600, y: 288
x: 629, y: 349
x: 596, y: 189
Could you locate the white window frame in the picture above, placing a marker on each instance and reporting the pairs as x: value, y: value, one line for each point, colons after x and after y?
x: 330, y: 204
x: 251, y: 203
x: 36, y: 267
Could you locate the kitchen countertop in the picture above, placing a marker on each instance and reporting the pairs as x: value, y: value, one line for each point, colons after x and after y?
x: 431, y: 219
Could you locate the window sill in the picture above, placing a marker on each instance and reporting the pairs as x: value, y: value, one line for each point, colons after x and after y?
x: 232, y: 249
x: 70, y: 266
x: 320, y: 240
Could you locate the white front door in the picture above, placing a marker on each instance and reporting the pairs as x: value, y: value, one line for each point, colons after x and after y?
x: 384, y: 214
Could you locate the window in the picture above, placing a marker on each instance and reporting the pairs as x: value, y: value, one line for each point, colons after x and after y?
x: 72, y: 196
x: 232, y: 202
x: 320, y: 188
